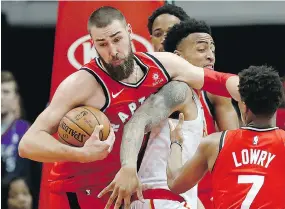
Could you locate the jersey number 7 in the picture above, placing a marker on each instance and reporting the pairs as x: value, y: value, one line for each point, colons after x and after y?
x: 257, y: 182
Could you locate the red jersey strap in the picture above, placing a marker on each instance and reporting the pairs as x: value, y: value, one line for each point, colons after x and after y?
x: 158, y: 64
x: 102, y: 84
x: 160, y: 194
x: 208, y: 104
x: 221, y: 145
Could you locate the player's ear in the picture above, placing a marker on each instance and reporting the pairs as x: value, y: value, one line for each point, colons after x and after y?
x: 245, y: 108
x: 129, y: 28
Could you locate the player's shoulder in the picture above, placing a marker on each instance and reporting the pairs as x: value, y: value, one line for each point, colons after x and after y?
x: 211, y: 141
x: 282, y: 134
x: 79, y: 80
x: 281, y: 131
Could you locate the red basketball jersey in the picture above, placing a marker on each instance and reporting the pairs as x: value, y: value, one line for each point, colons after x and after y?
x: 122, y: 100
x: 250, y: 169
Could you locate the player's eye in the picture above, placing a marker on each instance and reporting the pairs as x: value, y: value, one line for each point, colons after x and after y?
x: 201, y: 50
x: 116, y: 40
x: 158, y: 34
x: 103, y: 44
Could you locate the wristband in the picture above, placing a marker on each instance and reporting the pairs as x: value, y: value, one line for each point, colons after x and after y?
x: 176, y: 142
x: 215, y: 82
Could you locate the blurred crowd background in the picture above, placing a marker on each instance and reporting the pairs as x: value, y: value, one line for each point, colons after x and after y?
x: 245, y: 33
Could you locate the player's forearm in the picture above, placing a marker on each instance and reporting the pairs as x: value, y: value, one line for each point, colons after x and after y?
x: 141, y: 122
x: 174, y: 163
x: 222, y: 84
x: 133, y: 136
x: 43, y: 147
x: 154, y: 110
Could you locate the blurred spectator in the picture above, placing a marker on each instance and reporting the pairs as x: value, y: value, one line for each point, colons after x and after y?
x: 17, y: 194
x: 12, y: 129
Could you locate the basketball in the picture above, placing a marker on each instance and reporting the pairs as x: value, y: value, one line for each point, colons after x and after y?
x: 79, y: 123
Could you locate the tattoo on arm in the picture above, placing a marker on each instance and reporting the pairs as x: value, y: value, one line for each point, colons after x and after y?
x: 155, y: 109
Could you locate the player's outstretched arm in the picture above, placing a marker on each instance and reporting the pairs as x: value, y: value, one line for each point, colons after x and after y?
x: 222, y: 84
x: 181, y: 178
x: 38, y: 143
x: 155, y: 109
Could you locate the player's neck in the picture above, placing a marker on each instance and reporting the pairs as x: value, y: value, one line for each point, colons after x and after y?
x: 136, y: 75
x: 263, y: 122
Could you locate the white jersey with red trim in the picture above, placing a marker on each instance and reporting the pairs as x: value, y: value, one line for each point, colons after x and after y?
x: 152, y: 171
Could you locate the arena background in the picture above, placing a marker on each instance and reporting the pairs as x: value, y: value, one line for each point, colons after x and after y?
x: 245, y: 33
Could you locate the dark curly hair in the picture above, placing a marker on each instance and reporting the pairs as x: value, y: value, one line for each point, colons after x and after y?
x: 260, y: 88
x: 167, y: 9
x: 182, y: 30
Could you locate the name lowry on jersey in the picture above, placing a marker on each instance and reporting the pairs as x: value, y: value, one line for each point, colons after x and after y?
x: 253, y: 156
x: 124, y: 116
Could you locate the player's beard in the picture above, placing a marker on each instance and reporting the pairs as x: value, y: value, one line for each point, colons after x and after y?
x: 122, y: 71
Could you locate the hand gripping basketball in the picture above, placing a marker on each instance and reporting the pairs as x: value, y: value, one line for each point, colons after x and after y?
x: 95, y: 149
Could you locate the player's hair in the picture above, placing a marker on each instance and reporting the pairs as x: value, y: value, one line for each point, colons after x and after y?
x: 104, y: 16
x: 7, y: 76
x: 261, y: 90
x: 167, y: 9
x: 180, y: 31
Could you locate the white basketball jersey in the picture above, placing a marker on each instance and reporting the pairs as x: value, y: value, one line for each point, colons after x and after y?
x: 152, y: 171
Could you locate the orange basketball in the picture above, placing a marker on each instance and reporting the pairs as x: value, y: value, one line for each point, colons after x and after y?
x: 79, y: 123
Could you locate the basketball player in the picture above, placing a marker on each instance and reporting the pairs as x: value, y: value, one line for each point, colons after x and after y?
x: 217, y: 110
x: 117, y: 83
x: 161, y: 20
x: 153, y: 165
x: 152, y: 170
x: 192, y: 40
x: 247, y: 164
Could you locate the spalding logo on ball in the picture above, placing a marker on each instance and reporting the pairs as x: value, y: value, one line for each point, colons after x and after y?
x: 79, y: 123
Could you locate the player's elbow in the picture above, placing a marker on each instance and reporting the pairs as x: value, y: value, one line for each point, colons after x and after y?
x: 172, y: 187
x: 24, y: 148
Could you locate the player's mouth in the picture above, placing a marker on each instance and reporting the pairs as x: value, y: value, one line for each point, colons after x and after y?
x: 117, y: 62
x: 210, y: 66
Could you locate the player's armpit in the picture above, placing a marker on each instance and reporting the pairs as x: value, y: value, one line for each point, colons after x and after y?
x: 38, y: 143
x: 155, y: 109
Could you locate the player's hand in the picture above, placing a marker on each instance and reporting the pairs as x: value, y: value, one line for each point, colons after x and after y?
x: 95, y: 149
x: 125, y: 183
x: 176, y: 133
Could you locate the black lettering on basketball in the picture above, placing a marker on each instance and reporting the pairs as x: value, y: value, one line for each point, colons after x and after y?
x: 78, y: 136
x: 80, y: 115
